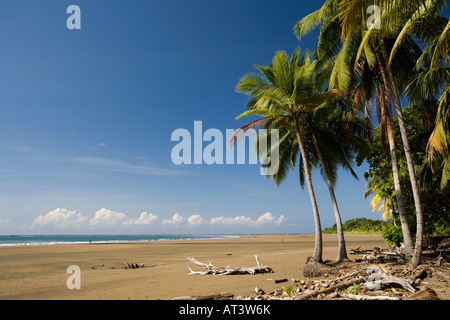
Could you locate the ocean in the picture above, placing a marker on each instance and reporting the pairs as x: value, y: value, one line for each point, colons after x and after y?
x: 27, y: 240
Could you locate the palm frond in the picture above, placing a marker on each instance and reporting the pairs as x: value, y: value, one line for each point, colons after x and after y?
x: 442, y: 46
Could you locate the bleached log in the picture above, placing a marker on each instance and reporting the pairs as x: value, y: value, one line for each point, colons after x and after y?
x: 394, y: 280
x: 375, y: 252
x: 366, y: 297
x: 257, y: 261
x: 217, y: 296
x: 211, y: 269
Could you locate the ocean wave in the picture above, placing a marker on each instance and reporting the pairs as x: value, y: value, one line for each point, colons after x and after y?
x: 8, y: 241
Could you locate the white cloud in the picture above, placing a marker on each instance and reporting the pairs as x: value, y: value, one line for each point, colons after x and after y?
x: 281, y: 219
x: 60, y: 218
x: 265, y: 218
x: 5, y: 221
x: 175, y: 220
x: 269, y: 218
x: 231, y: 220
x: 195, y: 220
x: 107, y: 218
x: 104, y: 218
x: 262, y: 220
x: 144, y: 219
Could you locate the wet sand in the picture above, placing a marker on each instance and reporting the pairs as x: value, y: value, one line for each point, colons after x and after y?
x: 39, y: 272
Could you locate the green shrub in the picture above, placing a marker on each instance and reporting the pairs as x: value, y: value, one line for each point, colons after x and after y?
x: 393, y: 235
x: 359, y: 225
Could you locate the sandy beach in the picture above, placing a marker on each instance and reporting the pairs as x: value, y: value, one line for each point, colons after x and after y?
x: 39, y: 272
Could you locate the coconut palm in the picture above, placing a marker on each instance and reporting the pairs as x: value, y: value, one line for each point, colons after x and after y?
x: 336, y: 134
x: 422, y: 20
x: 367, y: 78
x: 279, y: 96
x: 384, y: 202
x: 432, y: 82
x: 285, y: 95
x: 375, y: 48
x: 433, y: 87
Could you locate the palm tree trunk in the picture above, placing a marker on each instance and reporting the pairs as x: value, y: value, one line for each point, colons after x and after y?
x: 342, y: 251
x: 412, y: 174
x: 407, y: 240
x: 317, y: 255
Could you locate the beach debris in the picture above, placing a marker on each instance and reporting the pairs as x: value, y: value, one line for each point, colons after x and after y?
x: 358, y: 280
x: 258, y: 290
x: 366, y: 297
x: 134, y: 265
x: 379, y: 255
x: 406, y: 284
x: 211, y: 269
x: 350, y: 282
x: 281, y: 280
x: 217, y: 296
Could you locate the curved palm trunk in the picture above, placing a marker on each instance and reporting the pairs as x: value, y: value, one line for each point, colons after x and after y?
x: 407, y: 240
x: 342, y: 251
x: 412, y: 174
x: 317, y: 255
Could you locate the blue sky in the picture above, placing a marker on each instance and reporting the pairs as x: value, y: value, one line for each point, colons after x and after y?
x: 87, y: 117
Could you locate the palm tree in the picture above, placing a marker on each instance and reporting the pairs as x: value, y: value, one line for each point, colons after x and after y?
x: 400, y: 22
x: 284, y: 95
x: 432, y: 82
x: 422, y: 20
x: 336, y: 135
x: 380, y: 39
x: 277, y: 97
x: 433, y: 85
x: 375, y: 46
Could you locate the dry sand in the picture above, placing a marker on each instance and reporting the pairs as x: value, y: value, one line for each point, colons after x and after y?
x: 39, y: 272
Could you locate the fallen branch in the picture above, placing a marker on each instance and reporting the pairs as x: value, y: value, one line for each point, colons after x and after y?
x: 394, y: 280
x: 378, y: 255
x: 217, y: 296
x: 211, y: 269
x: 330, y: 289
x: 366, y: 297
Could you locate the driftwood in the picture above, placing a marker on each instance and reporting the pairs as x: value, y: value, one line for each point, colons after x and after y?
x: 376, y: 279
x: 217, y: 296
x: 211, y: 269
x: 366, y: 297
x: 338, y: 286
x: 394, y: 280
x: 379, y: 278
x: 378, y: 254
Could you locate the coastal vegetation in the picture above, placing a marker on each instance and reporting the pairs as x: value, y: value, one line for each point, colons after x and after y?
x: 360, y: 226
x: 376, y: 91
